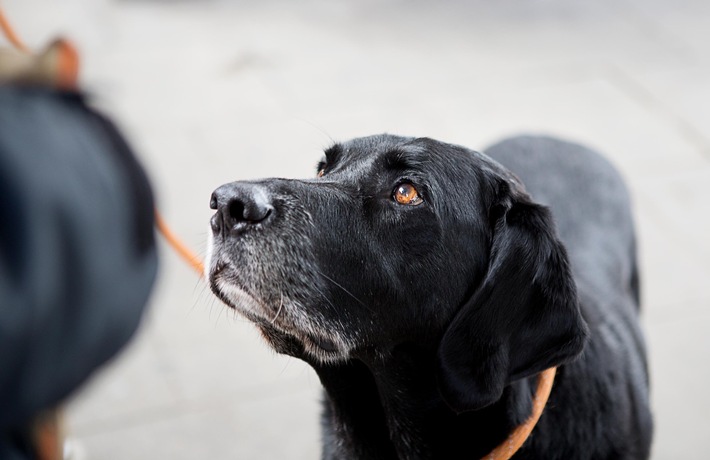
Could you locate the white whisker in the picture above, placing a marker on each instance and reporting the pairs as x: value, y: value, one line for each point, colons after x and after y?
x: 281, y: 304
x: 344, y: 290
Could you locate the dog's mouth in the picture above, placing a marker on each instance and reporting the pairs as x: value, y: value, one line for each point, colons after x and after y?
x: 225, y: 284
x: 277, y: 312
x: 326, y: 345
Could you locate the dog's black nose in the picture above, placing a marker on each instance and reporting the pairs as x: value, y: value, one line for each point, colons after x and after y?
x: 239, y: 206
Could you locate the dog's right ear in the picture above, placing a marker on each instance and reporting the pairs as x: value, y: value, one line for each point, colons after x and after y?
x: 523, y: 318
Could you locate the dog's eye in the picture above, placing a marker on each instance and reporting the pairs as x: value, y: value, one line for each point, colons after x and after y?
x: 405, y: 193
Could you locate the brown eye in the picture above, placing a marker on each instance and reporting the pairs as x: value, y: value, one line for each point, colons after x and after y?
x: 405, y: 193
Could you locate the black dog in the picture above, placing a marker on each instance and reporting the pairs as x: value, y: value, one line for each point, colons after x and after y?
x: 428, y: 290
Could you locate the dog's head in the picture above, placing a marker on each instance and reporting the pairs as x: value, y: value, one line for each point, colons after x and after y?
x: 401, y: 240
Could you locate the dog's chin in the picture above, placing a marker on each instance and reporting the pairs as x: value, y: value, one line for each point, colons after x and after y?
x: 286, y: 326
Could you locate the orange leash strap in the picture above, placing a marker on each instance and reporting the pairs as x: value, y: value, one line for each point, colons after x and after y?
x: 10, y: 33
x: 188, y: 256
x: 516, y: 439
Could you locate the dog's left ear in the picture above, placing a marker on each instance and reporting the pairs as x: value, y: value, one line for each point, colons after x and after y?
x: 523, y: 318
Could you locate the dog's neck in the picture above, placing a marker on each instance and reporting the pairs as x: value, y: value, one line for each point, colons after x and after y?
x: 396, y: 392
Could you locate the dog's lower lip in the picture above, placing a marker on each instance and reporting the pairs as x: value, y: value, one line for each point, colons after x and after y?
x: 325, y: 344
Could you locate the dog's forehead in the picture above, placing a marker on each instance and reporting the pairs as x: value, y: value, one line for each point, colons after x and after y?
x: 364, y: 153
x: 367, y: 154
x: 359, y: 158
x: 368, y: 148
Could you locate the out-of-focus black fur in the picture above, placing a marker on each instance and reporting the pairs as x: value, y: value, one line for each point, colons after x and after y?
x: 436, y: 318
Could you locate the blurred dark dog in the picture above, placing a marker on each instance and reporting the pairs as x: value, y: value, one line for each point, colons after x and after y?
x: 428, y: 285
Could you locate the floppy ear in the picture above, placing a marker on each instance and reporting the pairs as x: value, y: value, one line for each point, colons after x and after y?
x: 523, y: 318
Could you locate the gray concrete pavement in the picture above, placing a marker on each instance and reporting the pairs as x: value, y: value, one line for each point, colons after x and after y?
x: 213, y: 91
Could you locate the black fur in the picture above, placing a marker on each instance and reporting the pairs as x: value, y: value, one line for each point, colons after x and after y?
x: 428, y: 323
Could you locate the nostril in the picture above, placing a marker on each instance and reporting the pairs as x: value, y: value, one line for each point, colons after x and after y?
x: 236, y: 211
x: 213, y: 201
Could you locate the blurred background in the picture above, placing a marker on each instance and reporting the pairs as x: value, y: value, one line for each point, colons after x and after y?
x: 214, y: 91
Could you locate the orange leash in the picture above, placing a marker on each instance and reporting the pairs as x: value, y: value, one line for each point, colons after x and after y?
x: 516, y: 439
x: 10, y: 33
x: 188, y: 256
x: 58, y: 66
